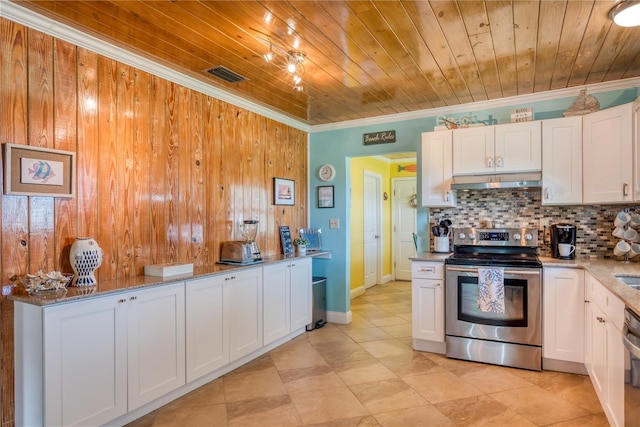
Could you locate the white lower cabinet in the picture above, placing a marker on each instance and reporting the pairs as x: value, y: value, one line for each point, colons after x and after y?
x: 563, y: 321
x: 155, y: 343
x: 301, y: 310
x: 95, y: 360
x: 207, y: 337
x: 243, y: 311
x: 287, y: 298
x: 88, y: 362
x: 223, y: 320
x: 604, y: 351
x: 427, y: 299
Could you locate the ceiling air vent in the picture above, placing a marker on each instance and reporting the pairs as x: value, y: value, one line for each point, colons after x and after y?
x: 226, y: 74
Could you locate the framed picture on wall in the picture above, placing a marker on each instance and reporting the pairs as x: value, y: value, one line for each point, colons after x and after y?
x: 36, y: 171
x: 284, y: 191
x: 325, y: 196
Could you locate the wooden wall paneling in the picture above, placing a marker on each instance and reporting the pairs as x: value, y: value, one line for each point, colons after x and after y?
x: 40, y: 122
x: 198, y: 204
x: 159, y: 169
x: 108, y: 227
x: 13, y: 254
x: 142, y: 174
x: 211, y: 175
x: 228, y: 173
x: 183, y: 176
x: 236, y: 149
x: 124, y: 207
x: 65, y: 138
x: 171, y: 166
x: 88, y: 148
x: 260, y: 195
x: 272, y: 231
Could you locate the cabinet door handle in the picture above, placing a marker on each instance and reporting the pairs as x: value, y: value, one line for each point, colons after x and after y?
x: 625, y: 189
x: 427, y: 270
x: 446, y: 196
x: 133, y: 298
x: 490, y: 162
x: 547, y: 193
x: 499, y: 161
x: 120, y: 301
x: 600, y: 319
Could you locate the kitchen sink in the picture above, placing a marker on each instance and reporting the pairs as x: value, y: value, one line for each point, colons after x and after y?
x: 632, y: 281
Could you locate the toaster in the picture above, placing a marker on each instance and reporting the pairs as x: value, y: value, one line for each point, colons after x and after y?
x: 237, y: 252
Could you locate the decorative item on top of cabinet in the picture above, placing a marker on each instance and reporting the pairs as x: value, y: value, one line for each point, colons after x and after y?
x: 437, y: 169
x: 585, y: 104
x: 85, y: 257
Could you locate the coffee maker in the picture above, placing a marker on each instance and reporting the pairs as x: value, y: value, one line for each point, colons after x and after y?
x: 562, y: 233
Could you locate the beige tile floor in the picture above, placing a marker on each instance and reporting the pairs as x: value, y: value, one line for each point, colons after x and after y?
x: 366, y: 374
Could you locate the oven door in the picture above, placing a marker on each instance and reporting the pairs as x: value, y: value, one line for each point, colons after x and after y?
x: 520, y: 323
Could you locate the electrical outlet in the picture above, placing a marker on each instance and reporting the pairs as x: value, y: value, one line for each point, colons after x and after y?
x: 544, y: 222
x: 334, y: 223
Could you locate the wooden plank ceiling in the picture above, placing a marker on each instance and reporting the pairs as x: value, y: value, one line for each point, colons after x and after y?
x: 370, y: 58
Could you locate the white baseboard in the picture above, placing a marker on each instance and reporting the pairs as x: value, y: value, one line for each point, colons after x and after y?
x: 357, y: 292
x: 388, y: 278
x: 338, y: 317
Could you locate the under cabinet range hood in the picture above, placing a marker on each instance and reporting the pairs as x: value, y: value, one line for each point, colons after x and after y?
x: 497, y: 181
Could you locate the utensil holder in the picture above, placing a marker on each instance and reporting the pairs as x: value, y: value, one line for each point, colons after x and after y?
x: 441, y: 244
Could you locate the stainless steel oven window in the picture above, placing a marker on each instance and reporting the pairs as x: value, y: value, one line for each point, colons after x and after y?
x: 531, y: 334
x: 515, y: 303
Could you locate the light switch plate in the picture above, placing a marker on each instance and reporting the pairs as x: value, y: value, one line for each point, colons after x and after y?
x: 334, y: 223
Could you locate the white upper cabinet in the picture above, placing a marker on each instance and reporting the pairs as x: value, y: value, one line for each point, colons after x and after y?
x: 473, y: 150
x: 512, y: 147
x: 518, y: 147
x: 636, y: 149
x: 607, y: 155
x: 562, y: 161
x: 437, y: 169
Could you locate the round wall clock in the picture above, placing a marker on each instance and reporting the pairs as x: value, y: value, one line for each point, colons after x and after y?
x: 327, y: 172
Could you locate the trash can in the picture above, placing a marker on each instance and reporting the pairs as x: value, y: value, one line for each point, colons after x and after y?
x: 319, y: 303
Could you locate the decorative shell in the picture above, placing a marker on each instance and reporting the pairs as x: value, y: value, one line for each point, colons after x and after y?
x: 46, y: 282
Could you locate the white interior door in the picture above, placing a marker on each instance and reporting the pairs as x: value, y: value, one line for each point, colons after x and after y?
x: 404, y: 225
x: 371, y: 221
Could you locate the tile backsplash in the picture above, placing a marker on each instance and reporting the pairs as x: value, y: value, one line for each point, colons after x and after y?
x: 523, y: 208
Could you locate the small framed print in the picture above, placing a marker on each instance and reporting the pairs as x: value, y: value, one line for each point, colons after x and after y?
x: 36, y: 171
x: 325, y: 196
x: 284, y: 191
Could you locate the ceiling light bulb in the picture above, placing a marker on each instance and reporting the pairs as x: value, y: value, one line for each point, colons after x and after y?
x: 298, y: 88
x: 291, y: 67
x: 269, y: 56
x: 297, y: 79
x: 626, y: 13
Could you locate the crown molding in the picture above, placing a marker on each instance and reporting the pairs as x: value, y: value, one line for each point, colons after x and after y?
x: 31, y: 19
x: 481, y: 105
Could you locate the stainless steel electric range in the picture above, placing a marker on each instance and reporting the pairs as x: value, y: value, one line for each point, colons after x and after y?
x: 509, y: 338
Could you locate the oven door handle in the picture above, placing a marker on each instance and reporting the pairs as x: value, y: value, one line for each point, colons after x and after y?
x: 514, y: 272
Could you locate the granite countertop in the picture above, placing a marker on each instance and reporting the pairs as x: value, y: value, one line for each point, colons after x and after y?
x: 604, y: 270
x: 106, y: 287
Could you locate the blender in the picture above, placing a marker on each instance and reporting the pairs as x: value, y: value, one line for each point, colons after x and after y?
x: 249, y: 233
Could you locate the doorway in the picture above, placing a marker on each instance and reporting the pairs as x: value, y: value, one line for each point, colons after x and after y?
x: 372, y: 211
x: 404, y: 225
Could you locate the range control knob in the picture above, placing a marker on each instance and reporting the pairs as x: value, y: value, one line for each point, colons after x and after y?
x: 472, y: 236
x: 528, y: 236
x: 517, y: 236
x: 462, y: 236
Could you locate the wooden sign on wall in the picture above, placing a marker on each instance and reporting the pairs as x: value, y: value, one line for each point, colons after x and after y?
x: 385, y: 137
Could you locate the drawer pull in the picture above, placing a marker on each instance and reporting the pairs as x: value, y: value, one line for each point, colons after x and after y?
x: 427, y: 270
